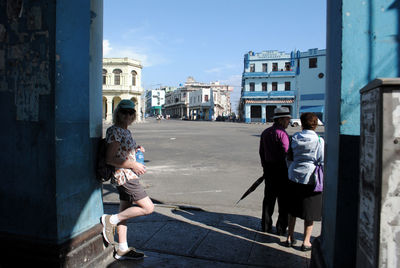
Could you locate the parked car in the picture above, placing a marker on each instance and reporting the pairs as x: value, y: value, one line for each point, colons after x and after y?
x: 297, y: 122
x: 220, y: 118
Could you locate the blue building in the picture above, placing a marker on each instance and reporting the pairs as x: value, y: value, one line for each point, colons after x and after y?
x: 273, y: 79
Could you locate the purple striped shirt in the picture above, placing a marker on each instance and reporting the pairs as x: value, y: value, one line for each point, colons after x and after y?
x: 274, y: 145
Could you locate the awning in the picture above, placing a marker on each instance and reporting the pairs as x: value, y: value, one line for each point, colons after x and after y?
x: 312, y: 109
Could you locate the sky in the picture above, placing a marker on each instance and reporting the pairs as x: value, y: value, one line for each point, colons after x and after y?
x: 207, y: 39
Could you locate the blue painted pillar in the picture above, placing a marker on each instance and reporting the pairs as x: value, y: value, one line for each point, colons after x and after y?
x: 362, y: 44
x: 50, y: 201
x: 263, y: 113
x: 247, y: 113
x: 79, y: 202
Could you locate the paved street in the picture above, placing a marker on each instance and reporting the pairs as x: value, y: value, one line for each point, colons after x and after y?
x: 202, y: 164
x: 205, y: 166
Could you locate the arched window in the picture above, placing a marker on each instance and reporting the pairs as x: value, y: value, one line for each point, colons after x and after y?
x: 117, y: 76
x: 104, y: 76
x: 134, y: 74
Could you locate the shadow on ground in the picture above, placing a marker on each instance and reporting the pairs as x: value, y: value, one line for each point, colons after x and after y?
x: 174, y: 237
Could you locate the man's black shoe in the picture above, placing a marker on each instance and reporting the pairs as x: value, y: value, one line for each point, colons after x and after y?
x: 280, y: 231
x: 268, y: 230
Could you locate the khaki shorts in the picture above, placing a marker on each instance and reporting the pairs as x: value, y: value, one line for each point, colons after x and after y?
x: 131, y: 191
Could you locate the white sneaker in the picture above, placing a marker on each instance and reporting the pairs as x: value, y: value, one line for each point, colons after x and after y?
x: 108, y: 229
x: 130, y: 254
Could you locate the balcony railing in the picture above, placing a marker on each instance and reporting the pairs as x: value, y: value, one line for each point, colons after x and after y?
x: 269, y: 94
x: 123, y: 88
x: 266, y: 74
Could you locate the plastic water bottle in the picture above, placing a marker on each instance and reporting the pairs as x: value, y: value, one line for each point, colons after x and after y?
x: 140, y: 157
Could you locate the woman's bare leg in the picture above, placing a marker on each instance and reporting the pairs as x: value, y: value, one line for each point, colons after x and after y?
x: 127, y: 211
x: 308, y: 226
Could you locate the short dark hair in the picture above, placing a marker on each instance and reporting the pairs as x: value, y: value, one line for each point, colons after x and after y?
x: 279, y: 120
x: 309, y: 121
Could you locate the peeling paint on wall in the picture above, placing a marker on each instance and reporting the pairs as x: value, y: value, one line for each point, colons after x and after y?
x: 24, y: 57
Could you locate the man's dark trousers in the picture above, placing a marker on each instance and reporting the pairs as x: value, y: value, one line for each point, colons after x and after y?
x: 276, y: 180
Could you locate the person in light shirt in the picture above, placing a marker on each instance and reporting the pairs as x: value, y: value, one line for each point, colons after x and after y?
x: 307, y: 149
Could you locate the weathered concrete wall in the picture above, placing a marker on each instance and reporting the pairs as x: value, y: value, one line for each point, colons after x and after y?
x: 25, y: 53
x: 27, y: 43
x: 51, y: 121
x: 379, y: 219
x: 389, y: 249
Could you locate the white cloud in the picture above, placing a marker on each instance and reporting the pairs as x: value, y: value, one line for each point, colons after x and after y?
x: 221, y: 68
x: 145, y: 57
x: 234, y: 80
x: 106, y: 47
x: 178, y: 40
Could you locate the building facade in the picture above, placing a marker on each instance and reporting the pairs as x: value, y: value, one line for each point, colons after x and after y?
x: 176, y: 103
x: 179, y: 105
x: 208, y: 104
x: 310, y: 82
x: 277, y: 79
x: 221, y: 99
x: 155, y: 99
x: 122, y: 80
x: 201, y: 104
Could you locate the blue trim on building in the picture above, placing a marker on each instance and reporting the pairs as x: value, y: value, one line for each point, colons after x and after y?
x: 255, y: 75
x: 266, y: 75
x: 312, y: 97
x: 268, y: 94
x: 312, y: 109
x: 282, y: 73
x: 269, y: 59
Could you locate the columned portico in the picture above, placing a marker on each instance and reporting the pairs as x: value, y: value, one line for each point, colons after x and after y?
x: 122, y: 80
x: 259, y: 106
x: 109, y: 105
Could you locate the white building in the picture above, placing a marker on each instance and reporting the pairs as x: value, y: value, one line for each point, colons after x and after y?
x: 208, y: 104
x: 121, y: 80
x: 155, y: 99
x: 178, y: 103
x: 201, y: 104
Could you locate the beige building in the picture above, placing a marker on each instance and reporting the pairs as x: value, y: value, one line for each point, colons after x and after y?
x: 209, y: 103
x: 179, y: 105
x: 122, y: 80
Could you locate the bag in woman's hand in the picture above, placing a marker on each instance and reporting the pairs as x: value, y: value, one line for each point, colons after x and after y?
x: 104, y: 172
x: 319, y: 178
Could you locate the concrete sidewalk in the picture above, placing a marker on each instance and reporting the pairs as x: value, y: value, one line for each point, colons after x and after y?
x: 176, y: 236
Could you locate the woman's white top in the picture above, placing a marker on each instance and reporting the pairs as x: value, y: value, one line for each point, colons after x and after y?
x: 308, y: 149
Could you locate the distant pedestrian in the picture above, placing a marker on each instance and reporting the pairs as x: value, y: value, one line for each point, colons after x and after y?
x: 121, y: 151
x: 304, y: 203
x: 274, y: 145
